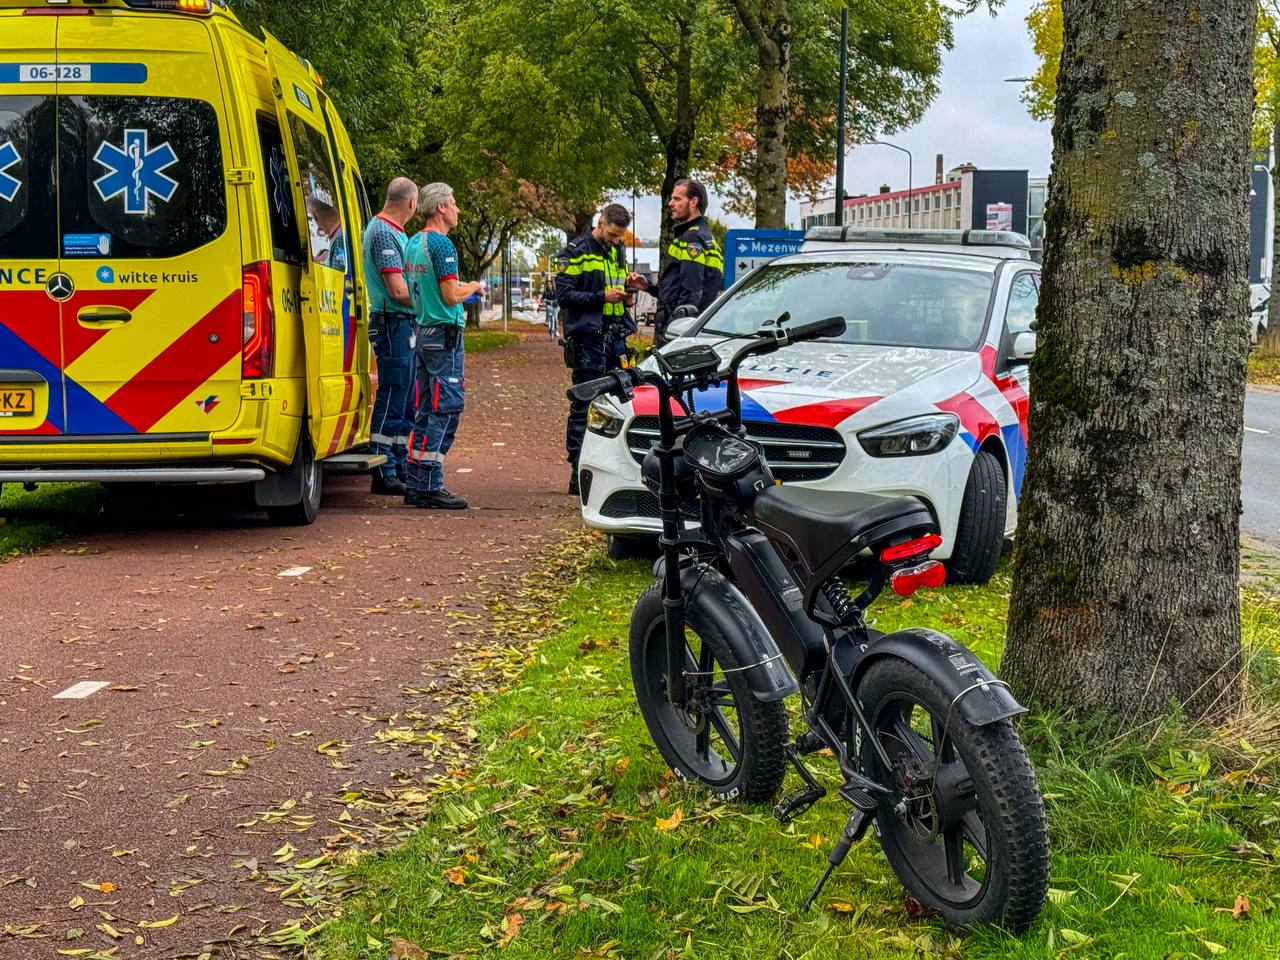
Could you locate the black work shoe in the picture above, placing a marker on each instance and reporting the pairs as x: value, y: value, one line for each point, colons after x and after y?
x: 573, y: 481
x: 390, y: 487
x: 435, y: 500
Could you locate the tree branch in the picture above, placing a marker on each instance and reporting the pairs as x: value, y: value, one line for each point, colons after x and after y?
x: 751, y: 23
x: 646, y: 101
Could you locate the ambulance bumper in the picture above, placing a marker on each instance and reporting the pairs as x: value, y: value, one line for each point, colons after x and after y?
x: 133, y: 475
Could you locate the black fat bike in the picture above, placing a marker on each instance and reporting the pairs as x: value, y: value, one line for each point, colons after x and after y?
x: 748, y: 607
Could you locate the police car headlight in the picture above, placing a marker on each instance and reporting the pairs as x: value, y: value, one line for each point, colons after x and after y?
x: 911, y: 438
x: 604, y: 418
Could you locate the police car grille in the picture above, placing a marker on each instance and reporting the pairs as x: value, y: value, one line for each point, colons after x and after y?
x: 794, y: 451
x: 639, y: 503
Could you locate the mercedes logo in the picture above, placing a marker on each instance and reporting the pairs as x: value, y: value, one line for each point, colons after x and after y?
x: 60, y: 287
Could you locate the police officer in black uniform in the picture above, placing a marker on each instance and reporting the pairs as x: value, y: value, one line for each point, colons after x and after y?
x: 593, y: 299
x: 694, y: 270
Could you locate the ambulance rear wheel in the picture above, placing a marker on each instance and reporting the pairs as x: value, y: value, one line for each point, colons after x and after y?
x: 305, y: 511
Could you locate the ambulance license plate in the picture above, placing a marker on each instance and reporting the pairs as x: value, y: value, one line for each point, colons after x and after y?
x: 17, y: 401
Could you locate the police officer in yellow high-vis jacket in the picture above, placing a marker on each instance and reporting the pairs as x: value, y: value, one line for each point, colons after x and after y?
x: 693, y: 274
x: 593, y: 300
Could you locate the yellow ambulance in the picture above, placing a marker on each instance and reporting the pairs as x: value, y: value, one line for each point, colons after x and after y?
x: 182, y: 296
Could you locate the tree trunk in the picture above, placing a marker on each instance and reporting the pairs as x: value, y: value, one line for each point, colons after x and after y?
x: 583, y: 220
x: 1126, y: 587
x: 1269, y: 344
x: 773, y: 107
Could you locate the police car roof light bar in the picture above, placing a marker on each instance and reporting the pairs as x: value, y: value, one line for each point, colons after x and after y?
x: 965, y: 238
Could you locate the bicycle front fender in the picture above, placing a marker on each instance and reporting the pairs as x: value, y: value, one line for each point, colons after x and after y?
x: 710, y: 595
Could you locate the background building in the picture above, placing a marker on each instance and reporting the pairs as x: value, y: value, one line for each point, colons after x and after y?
x: 965, y: 197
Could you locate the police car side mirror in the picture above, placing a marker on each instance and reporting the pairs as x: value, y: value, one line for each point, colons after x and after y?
x: 1024, y: 346
x: 681, y: 326
x: 688, y: 310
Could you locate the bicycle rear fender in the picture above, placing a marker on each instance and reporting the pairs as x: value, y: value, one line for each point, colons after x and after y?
x: 974, y: 691
x: 715, y: 598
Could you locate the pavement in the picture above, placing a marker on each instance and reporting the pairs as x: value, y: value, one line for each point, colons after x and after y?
x: 1260, y: 492
x: 185, y: 690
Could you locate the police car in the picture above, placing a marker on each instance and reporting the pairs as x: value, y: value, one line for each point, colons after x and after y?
x: 924, y: 395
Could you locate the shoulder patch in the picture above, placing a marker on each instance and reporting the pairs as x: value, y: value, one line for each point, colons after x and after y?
x: 694, y: 248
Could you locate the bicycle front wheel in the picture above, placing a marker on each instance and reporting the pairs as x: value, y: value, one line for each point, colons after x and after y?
x: 722, y: 736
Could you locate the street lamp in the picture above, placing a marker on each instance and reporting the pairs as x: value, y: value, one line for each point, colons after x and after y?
x: 844, y: 87
x: 884, y: 143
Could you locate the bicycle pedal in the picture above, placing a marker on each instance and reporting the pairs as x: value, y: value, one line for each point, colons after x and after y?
x: 794, y: 804
x: 859, y: 798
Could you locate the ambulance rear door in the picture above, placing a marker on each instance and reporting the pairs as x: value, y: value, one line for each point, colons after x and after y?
x: 148, y: 233
x: 358, y: 214
x: 327, y: 286
x: 31, y: 360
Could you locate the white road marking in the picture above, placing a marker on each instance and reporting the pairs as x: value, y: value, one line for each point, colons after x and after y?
x: 85, y: 688
x: 1256, y: 430
x: 294, y: 572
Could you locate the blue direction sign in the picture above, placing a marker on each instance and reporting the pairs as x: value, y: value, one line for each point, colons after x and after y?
x: 744, y: 250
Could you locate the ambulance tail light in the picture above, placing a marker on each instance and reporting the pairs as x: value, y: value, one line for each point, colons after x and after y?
x: 259, y: 323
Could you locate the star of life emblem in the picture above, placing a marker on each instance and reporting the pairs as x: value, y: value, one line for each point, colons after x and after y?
x: 9, y: 157
x: 280, y: 186
x: 136, y: 171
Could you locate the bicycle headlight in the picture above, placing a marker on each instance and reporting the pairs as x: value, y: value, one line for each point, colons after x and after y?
x: 604, y: 417
x: 914, y: 437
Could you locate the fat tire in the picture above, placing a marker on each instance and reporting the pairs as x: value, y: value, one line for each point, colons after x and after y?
x: 1008, y: 796
x: 304, y: 512
x: 763, y: 725
x: 980, y: 533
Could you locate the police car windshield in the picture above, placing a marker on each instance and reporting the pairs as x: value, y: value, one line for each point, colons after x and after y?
x: 890, y: 304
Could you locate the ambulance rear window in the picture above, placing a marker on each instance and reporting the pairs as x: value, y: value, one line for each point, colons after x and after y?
x: 28, y: 204
x: 286, y: 245
x: 145, y: 173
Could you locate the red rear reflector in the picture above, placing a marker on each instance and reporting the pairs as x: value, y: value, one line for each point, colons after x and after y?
x: 259, y: 323
x: 931, y: 573
x: 912, y: 548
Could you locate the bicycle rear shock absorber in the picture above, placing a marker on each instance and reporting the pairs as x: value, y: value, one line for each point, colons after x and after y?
x: 842, y: 604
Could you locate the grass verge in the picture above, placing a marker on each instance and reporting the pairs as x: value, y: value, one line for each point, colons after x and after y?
x: 1264, y: 370
x: 482, y: 341
x: 566, y: 837
x: 33, y: 519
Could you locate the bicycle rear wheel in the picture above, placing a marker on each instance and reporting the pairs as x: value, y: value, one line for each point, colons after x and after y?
x: 965, y: 830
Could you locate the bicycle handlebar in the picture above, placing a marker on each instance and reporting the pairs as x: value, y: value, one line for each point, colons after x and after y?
x: 615, y: 380
x: 816, y: 329
x: 624, y: 381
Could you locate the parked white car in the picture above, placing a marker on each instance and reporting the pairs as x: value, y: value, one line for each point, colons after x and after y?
x: 924, y: 395
x: 1259, y: 302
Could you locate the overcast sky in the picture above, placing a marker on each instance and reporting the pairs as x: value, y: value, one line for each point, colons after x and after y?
x: 976, y: 118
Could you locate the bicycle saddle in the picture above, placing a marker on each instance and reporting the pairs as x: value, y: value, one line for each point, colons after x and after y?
x: 819, y: 525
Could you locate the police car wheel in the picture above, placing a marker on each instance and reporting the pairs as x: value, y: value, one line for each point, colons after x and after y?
x: 631, y: 548
x: 305, y: 511
x: 980, y: 533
